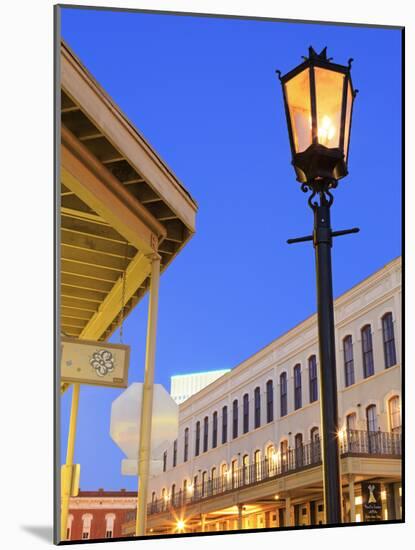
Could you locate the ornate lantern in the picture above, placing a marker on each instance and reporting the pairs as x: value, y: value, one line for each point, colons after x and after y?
x: 318, y: 97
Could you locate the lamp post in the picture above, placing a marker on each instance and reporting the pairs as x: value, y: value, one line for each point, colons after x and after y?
x: 318, y: 98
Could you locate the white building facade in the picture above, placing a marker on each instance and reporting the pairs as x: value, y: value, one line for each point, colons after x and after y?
x: 248, y: 452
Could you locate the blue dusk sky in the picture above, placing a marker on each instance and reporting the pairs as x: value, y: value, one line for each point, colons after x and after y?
x: 204, y: 93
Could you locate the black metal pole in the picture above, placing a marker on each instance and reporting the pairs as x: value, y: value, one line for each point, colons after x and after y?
x: 322, y: 239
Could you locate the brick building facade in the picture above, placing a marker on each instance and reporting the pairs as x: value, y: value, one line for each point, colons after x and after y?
x: 99, y: 514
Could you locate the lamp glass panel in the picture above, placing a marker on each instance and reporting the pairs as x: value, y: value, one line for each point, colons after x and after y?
x: 298, y: 98
x: 329, y: 94
x: 349, y: 103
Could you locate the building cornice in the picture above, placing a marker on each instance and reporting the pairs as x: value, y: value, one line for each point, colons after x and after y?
x: 279, y: 350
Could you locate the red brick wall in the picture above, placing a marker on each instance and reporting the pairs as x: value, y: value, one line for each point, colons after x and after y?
x: 98, y: 523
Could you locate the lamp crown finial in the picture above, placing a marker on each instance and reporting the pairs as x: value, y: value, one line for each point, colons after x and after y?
x: 312, y: 54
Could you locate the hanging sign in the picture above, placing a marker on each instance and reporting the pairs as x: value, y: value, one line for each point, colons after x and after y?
x: 371, y: 501
x: 96, y: 363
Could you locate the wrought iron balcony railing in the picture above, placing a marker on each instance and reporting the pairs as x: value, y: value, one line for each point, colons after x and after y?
x: 351, y: 442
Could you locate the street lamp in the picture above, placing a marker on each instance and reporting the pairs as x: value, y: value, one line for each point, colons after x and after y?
x: 318, y: 98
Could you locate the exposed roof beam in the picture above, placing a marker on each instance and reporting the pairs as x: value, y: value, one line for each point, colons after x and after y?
x: 136, y: 273
x: 83, y: 174
x: 107, y: 117
x: 133, y: 180
x: 89, y: 137
x: 112, y: 159
x: 78, y: 214
x: 70, y: 109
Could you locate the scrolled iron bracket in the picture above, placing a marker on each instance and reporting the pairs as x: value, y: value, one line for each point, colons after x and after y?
x: 322, y: 188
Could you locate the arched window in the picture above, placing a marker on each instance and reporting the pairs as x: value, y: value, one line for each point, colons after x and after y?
x: 394, y: 414
x: 186, y: 445
x: 283, y: 394
x: 314, y: 434
x: 235, y: 419
x: 269, y: 452
x: 315, y: 444
x: 224, y: 424
x: 86, y: 526
x: 299, y: 450
x: 197, y: 439
x: 270, y: 401
x: 371, y: 418
x: 297, y: 387
x: 257, y: 404
x: 234, y: 472
x: 223, y: 476
x: 173, y: 494
x: 312, y: 374
x: 215, y: 430
x: 388, y: 340
x: 367, y: 351
x: 205, y: 433
x: 245, y: 469
x: 185, y: 490
x: 351, y: 422
x: 348, y: 360
x: 164, y: 461
x: 284, y: 454
x: 246, y: 413
x: 372, y: 428
x: 204, y: 483
x: 109, y: 527
x: 257, y: 462
x: 271, y: 459
x: 174, y: 453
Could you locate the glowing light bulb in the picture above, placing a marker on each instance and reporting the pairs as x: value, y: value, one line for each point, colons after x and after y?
x: 180, y: 525
x: 326, y: 130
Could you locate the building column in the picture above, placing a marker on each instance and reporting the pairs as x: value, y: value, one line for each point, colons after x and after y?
x: 288, y: 511
x: 390, y: 501
x: 352, y: 499
x: 67, y: 470
x: 147, y: 399
x: 308, y: 506
x: 203, y: 522
x: 313, y: 520
x: 240, y: 524
x: 397, y: 501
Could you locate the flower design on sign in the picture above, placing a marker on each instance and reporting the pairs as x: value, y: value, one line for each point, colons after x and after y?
x: 103, y: 362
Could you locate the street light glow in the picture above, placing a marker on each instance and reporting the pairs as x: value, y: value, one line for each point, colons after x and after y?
x: 326, y: 130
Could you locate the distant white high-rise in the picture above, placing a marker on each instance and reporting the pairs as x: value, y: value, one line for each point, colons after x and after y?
x: 185, y: 385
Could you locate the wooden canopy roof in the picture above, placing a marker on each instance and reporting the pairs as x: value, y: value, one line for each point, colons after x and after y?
x: 120, y: 204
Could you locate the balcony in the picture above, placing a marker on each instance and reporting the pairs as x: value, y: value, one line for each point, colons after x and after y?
x: 351, y: 442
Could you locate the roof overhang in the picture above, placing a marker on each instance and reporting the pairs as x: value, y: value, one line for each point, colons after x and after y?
x: 120, y: 204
